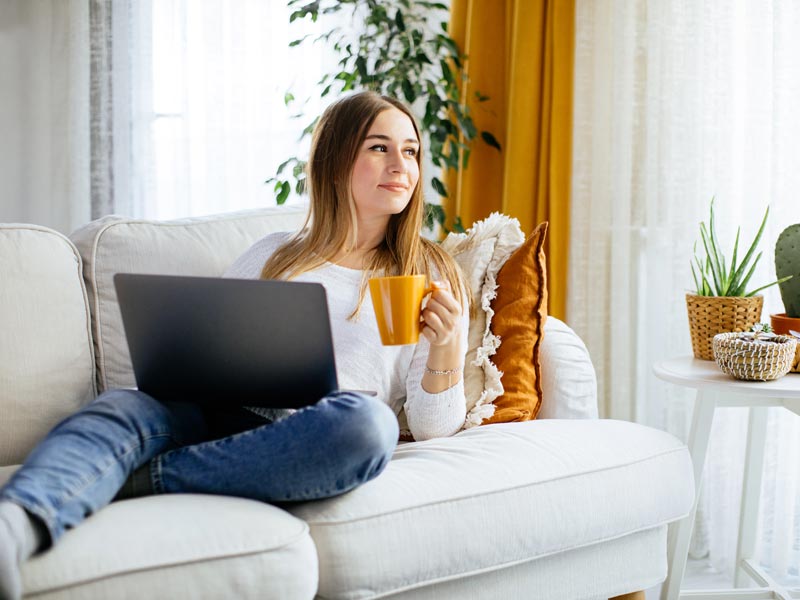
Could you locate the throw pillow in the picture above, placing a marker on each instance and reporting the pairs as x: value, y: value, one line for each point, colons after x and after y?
x: 520, y: 311
x: 481, y: 252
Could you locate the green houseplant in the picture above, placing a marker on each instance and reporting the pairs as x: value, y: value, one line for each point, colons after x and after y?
x: 401, y: 53
x: 722, y: 301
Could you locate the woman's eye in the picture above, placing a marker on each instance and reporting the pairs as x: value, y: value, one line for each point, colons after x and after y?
x: 411, y: 151
x: 379, y: 147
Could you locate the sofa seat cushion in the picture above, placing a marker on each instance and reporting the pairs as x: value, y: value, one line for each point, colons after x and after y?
x: 495, y: 496
x: 179, y: 546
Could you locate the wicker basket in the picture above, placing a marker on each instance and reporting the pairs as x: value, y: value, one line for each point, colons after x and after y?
x: 754, y: 361
x: 710, y: 315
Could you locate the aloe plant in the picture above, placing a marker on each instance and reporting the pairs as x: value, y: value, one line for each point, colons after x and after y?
x: 713, y: 276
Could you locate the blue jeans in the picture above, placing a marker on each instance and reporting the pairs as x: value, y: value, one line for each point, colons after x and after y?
x: 323, y: 450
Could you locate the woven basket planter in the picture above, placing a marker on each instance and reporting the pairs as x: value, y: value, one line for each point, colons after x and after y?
x: 710, y: 315
x: 754, y: 360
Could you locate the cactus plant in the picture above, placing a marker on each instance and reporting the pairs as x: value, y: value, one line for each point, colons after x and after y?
x: 787, y: 264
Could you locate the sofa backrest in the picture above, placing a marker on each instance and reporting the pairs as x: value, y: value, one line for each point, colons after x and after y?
x: 569, y: 381
x: 201, y: 246
x: 46, y: 358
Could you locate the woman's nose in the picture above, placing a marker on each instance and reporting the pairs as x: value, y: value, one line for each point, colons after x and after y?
x: 396, y: 163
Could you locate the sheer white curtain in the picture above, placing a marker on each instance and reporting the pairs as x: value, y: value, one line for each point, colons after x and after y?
x: 209, y: 123
x: 44, y: 112
x: 677, y: 101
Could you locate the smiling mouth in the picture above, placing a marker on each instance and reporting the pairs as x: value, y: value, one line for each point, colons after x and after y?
x: 394, y: 187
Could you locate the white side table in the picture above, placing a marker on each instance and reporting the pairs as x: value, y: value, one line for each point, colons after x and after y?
x: 714, y: 389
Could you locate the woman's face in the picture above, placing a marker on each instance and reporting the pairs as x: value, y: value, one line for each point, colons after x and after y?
x: 385, y: 172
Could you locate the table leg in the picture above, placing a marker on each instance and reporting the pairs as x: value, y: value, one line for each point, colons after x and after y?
x: 751, y: 491
x: 681, y: 531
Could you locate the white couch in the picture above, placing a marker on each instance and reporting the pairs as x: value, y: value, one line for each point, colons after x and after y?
x: 566, y: 507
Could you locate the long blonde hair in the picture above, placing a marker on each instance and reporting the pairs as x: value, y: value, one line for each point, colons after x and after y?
x: 331, y: 223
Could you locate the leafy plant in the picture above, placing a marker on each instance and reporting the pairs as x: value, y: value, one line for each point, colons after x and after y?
x: 713, y: 277
x: 398, y: 53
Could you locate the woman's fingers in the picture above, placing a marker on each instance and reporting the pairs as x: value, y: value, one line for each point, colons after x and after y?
x: 443, y: 297
x: 434, y: 321
x: 441, y: 318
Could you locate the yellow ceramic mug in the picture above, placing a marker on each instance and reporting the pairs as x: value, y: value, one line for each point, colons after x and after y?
x: 398, y: 303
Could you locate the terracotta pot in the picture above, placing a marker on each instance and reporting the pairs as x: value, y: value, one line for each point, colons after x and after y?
x: 710, y: 315
x: 782, y: 324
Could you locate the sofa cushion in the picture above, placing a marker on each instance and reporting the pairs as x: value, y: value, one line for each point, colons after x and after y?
x: 524, y: 491
x: 201, y: 246
x: 179, y: 546
x: 520, y: 313
x: 46, y: 359
x: 480, y: 252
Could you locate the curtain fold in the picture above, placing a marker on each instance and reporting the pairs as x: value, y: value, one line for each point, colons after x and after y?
x: 528, y: 79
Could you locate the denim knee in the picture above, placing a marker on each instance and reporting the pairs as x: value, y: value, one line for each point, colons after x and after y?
x: 139, y: 411
x: 365, y: 424
x: 131, y: 409
x: 132, y: 406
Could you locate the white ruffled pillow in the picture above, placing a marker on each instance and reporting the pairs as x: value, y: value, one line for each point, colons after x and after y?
x: 480, y: 252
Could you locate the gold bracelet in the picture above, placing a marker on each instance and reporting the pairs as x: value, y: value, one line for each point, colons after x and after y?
x: 439, y: 372
x: 448, y: 372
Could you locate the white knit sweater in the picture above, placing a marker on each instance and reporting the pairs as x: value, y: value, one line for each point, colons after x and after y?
x: 362, y: 362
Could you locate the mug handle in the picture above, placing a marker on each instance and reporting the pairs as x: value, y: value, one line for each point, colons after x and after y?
x: 435, y: 285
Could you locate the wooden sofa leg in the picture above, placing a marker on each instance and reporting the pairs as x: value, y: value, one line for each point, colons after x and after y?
x: 631, y: 596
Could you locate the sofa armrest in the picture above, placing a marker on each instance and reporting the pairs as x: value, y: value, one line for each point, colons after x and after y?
x: 569, y: 384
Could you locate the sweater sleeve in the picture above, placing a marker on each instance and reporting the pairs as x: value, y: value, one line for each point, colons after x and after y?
x: 435, y: 415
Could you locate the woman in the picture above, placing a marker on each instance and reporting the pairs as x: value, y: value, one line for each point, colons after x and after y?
x: 364, y: 219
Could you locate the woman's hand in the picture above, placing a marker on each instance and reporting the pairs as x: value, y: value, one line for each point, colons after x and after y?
x: 441, y: 318
x: 442, y: 323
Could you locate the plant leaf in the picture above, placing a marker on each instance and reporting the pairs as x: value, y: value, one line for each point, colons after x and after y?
x: 284, y: 193
x: 733, y: 261
x: 361, y: 66
x: 763, y: 287
x: 707, y: 244
x: 740, y: 290
x: 705, y: 288
x: 439, y: 187
x: 719, y: 271
x: 434, y: 213
x: 398, y: 20
x: 746, y: 260
x: 491, y: 140
x: 408, y: 91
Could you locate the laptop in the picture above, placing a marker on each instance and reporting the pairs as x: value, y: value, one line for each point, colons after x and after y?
x: 227, y: 342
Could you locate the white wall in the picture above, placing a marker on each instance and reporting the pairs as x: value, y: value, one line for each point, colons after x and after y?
x: 44, y: 112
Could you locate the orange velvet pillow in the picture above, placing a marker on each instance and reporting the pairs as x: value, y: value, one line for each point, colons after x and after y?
x: 520, y: 310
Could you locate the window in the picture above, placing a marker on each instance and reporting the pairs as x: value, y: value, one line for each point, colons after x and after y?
x: 209, y: 122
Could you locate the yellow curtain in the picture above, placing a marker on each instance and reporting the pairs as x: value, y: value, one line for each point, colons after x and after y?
x: 520, y: 54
